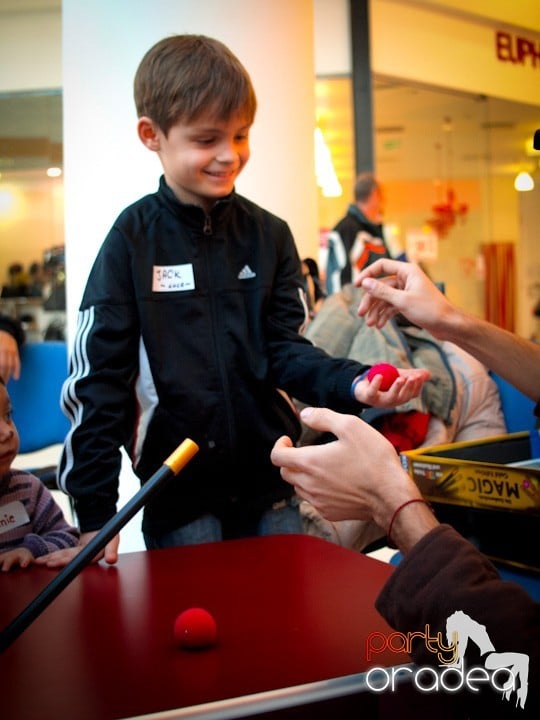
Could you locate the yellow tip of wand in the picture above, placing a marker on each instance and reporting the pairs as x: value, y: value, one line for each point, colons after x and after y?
x: 182, y: 455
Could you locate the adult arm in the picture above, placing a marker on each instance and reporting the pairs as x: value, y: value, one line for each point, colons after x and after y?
x: 393, y: 287
x: 359, y: 476
x: 444, y: 574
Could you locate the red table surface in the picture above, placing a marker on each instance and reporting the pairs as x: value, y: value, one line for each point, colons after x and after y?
x: 290, y: 609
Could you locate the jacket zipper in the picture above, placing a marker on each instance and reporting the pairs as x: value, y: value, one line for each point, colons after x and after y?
x: 215, y: 310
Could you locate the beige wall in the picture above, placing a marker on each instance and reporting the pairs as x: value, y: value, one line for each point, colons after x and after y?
x: 30, y: 50
x: 454, y: 51
x: 520, y: 13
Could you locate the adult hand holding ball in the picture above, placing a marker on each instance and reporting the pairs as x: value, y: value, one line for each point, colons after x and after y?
x: 389, y: 374
x: 195, y: 629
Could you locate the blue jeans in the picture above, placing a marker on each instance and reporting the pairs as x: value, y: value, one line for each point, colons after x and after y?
x: 283, y: 518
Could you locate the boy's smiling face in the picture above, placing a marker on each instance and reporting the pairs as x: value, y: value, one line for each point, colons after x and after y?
x: 202, y: 159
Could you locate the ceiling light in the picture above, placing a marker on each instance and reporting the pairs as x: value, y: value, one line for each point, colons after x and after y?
x: 523, y: 182
x: 327, y: 179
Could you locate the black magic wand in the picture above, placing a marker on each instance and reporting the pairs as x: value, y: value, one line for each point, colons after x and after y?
x: 172, y: 466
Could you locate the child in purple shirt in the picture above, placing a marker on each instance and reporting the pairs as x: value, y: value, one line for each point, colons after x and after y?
x: 31, y: 522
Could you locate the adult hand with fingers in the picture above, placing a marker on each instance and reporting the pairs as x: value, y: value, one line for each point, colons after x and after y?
x: 394, y: 287
x: 407, y: 385
x: 358, y: 476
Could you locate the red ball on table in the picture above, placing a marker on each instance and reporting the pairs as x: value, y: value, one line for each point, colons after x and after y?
x: 389, y: 374
x: 195, y: 628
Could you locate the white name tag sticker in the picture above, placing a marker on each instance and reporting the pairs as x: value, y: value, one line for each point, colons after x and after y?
x: 173, y: 278
x: 12, y: 515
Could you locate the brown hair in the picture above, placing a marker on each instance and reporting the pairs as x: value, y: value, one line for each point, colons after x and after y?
x: 183, y: 76
x: 365, y: 184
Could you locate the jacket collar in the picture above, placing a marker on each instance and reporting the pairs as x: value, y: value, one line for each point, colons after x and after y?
x: 189, y: 210
x: 355, y: 211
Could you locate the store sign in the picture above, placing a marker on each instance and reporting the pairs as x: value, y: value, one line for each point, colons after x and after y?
x: 516, y: 49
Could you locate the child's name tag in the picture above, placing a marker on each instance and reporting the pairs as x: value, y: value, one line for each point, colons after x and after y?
x: 173, y: 278
x: 12, y: 515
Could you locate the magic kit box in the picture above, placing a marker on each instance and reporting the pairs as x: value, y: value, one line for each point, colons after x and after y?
x: 489, y: 490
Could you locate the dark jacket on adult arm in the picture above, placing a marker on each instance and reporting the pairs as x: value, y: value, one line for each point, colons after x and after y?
x: 444, y: 573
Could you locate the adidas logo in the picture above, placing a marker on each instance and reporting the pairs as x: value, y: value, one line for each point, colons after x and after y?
x: 246, y: 273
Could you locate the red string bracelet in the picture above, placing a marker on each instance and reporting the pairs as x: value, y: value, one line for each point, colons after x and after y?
x: 399, y: 509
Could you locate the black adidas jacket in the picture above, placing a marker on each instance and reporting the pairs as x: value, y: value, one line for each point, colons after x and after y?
x: 188, y: 325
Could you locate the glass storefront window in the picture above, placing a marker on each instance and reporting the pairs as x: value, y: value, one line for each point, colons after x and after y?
x: 447, y: 163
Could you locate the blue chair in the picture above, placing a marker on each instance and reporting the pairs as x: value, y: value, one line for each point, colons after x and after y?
x: 518, y: 409
x: 35, y: 396
x: 528, y: 579
x: 41, y: 424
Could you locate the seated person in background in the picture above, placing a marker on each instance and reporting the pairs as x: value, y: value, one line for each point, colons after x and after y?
x: 18, y: 282
x: 459, y: 402
x: 32, y: 523
x: 11, y: 339
x: 359, y: 476
x: 36, y: 280
x: 315, y: 292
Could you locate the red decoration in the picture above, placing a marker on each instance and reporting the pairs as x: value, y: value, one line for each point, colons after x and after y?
x: 447, y: 213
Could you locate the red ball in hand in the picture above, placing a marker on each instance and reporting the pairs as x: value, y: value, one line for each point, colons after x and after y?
x: 389, y: 374
x: 195, y: 628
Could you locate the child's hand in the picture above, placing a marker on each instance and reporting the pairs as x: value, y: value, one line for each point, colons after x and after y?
x: 18, y: 557
x: 405, y: 387
x: 60, y: 558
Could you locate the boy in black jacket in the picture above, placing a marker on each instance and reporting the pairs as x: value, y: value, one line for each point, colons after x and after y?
x: 190, y: 325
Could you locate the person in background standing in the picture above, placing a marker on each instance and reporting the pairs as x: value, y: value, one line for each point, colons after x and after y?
x: 315, y: 292
x: 37, y: 280
x: 358, y: 238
